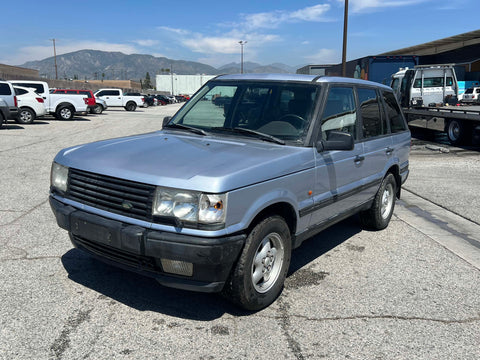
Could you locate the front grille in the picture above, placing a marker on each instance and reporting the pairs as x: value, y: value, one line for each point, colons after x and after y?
x: 124, y: 197
x: 123, y: 257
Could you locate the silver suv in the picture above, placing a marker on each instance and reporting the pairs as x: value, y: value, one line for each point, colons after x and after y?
x: 7, y: 94
x: 243, y: 173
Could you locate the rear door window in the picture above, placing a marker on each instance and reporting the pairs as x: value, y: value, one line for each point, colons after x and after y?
x: 5, y: 89
x: 373, y: 123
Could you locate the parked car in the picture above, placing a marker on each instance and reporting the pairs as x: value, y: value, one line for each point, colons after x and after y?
x: 4, y: 112
x: 7, y: 94
x: 62, y: 106
x: 30, y: 105
x: 229, y: 194
x: 172, y: 99
x: 471, y: 95
x: 115, y: 98
x: 88, y: 94
x: 100, y: 106
x: 163, y: 99
x: 149, y: 100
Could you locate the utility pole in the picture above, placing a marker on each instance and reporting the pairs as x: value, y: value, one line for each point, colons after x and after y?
x: 241, y: 42
x: 55, y: 58
x: 344, y: 52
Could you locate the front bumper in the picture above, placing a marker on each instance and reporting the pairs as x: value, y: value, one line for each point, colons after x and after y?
x: 139, y: 249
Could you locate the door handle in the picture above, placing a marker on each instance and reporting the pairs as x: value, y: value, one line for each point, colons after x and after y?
x: 359, y: 159
x: 389, y: 151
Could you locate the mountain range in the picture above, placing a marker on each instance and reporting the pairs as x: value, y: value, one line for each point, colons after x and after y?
x: 96, y: 64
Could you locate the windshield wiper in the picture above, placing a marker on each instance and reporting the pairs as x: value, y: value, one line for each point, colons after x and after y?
x: 257, y: 134
x: 188, y: 128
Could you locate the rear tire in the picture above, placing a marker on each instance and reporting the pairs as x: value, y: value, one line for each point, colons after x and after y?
x: 25, y: 116
x: 457, y: 132
x: 258, y: 277
x: 131, y: 106
x: 379, y: 215
x: 64, y: 113
x: 97, y: 109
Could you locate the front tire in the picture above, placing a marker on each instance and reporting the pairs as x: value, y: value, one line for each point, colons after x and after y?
x: 379, y: 215
x: 64, y: 113
x: 258, y: 277
x: 25, y: 116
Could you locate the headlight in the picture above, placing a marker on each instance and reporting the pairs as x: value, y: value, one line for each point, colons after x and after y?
x: 59, y: 177
x: 190, y: 206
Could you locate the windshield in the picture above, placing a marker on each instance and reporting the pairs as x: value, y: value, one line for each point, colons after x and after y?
x: 280, y: 110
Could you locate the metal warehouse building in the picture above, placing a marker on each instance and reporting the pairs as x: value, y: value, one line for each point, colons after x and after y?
x: 181, y: 84
x: 462, y: 50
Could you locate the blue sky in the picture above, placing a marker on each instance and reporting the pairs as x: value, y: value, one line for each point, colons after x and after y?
x: 290, y: 32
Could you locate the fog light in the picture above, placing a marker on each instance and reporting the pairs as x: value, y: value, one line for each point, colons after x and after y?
x: 177, y: 267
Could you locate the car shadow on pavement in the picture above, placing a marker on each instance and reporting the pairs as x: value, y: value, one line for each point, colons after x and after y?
x: 145, y: 294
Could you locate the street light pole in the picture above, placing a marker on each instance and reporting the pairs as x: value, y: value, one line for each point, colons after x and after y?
x: 241, y: 42
x: 55, y: 58
x: 344, y: 52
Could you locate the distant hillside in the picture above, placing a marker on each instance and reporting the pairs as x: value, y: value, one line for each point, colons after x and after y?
x: 251, y: 67
x: 95, y: 64
x: 91, y: 64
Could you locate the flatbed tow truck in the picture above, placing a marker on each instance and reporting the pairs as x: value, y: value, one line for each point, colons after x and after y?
x: 460, y: 123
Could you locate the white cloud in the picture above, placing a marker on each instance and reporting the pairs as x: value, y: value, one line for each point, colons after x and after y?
x: 323, y: 56
x: 311, y: 13
x: 362, y: 6
x: 174, y: 30
x: 146, y: 42
x: 273, y: 19
x: 30, y: 53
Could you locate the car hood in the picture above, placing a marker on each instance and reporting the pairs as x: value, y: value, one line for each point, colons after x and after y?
x: 179, y: 160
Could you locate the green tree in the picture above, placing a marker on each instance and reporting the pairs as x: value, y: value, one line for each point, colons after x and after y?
x: 147, y: 84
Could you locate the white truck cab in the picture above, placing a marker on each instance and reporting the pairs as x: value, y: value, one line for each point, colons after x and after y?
x: 425, y: 85
x: 115, y: 98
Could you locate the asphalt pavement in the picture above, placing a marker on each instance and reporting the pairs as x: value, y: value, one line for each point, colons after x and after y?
x: 407, y: 292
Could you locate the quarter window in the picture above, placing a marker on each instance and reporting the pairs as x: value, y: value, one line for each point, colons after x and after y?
x: 373, y: 124
x: 397, y: 124
x: 339, y: 113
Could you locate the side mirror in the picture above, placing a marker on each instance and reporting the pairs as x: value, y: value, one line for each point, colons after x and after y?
x: 166, y: 120
x: 336, y: 140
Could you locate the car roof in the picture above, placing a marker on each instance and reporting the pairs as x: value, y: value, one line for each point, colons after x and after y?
x: 299, y: 78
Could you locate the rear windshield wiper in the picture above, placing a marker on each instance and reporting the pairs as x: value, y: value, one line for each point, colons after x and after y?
x: 186, y: 127
x: 257, y: 134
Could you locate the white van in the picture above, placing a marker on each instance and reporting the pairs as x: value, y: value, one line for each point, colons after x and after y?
x: 425, y: 85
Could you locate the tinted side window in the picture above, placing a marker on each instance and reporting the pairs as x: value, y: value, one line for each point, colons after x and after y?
x: 38, y: 87
x: 88, y: 93
x: 72, y: 92
x: 372, y: 122
x: 340, y: 112
x: 5, y: 89
x: 20, y: 91
x: 394, y: 115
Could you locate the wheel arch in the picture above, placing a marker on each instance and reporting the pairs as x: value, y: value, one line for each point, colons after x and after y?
x: 395, y: 171
x: 29, y: 108
x: 64, y: 104
x: 283, y: 209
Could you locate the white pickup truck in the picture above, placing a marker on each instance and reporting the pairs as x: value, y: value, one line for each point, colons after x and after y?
x: 62, y: 106
x: 115, y: 98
